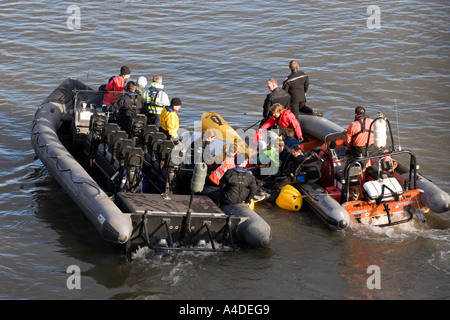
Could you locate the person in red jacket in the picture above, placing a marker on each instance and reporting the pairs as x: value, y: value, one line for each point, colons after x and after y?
x: 115, y: 87
x: 358, y: 133
x: 283, y: 118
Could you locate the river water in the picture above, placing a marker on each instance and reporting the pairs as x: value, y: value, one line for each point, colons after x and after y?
x: 217, y: 56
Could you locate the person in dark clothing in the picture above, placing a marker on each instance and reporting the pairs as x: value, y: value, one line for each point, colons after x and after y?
x: 238, y: 185
x: 127, y: 106
x: 276, y: 95
x: 307, y: 164
x: 297, y: 84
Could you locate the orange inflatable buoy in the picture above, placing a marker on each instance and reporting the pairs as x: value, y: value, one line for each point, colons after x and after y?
x: 289, y: 198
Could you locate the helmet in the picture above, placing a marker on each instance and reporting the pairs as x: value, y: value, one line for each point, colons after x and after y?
x: 142, y: 81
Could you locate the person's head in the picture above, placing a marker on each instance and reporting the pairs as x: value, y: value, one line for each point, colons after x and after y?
x: 296, y: 150
x: 287, y: 133
x: 175, y: 103
x: 293, y: 65
x: 142, y: 81
x: 229, y: 149
x: 261, y: 146
x: 360, y: 111
x: 125, y: 72
x: 241, y: 160
x: 209, y: 135
x: 280, y: 145
x: 131, y: 86
x: 276, y: 109
x: 272, y: 84
x: 158, y: 79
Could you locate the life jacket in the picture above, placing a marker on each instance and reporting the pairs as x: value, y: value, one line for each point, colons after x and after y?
x: 156, y: 98
x: 362, y: 122
x: 227, y: 164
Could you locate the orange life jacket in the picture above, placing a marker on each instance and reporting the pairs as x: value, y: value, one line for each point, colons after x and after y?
x: 228, y: 163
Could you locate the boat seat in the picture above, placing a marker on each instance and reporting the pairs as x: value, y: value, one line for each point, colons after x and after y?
x: 156, y: 138
x: 108, y: 130
x: 114, y: 141
x: 136, y: 124
x: 134, y: 158
x: 146, y: 132
x: 97, y: 122
x: 163, y: 151
x: 122, y: 149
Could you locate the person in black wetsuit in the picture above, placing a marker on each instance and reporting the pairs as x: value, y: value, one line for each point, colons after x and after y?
x: 238, y: 184
x: 297, y: 84
x: 127, y: 106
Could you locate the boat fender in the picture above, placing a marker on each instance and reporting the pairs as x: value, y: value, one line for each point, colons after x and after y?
x: 379, y: 133
x: 289, y: 198
x: 198, y: 177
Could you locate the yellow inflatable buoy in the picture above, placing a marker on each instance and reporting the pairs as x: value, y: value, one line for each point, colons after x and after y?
x: 289, y: 198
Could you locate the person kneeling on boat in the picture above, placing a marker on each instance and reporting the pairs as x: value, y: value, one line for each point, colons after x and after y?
x: 282, y: 118
x: 127, y: 106
x: 170, y: 123
x: 237, y: 185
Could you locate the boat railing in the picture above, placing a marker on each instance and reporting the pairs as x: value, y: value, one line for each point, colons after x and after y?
x: 410, y: 183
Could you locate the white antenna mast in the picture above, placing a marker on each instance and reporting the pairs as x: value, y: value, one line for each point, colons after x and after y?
x: 398, y: 127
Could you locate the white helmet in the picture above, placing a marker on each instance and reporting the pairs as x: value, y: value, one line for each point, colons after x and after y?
x: 262, y: 145
x: 142, y: 81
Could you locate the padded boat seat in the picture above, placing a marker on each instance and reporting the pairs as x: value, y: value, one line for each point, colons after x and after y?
x: 153, y: 142
x: 114, y: 141
x: 122, y: 149
x: 97, y: 122
x: 108, y: 130
x: 136, y: 124
x: 145, y: 135
x: 163, y: 149
x: 386, y: 189
x: 134, y: 157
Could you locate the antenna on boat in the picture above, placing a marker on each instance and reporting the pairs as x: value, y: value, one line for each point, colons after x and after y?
x: 398, y: 126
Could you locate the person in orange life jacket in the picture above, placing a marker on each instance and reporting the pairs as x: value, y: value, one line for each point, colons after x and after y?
x: 127, y: 106
x: 115, y: 86
x: 170, y: 123
x: 357, y: 134
x: 284, y: 119
x: 237, y: 185
x: 276, y: 95
x: 229, y: 152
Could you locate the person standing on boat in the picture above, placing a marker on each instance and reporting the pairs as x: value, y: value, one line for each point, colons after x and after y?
x: 297, y: 84
x: 283, y: 118
x: 276, y: 95
x: 156, y: 99
x: 115, y: 86
x: 141, y: 83
x: 238, y: 184
x: 170, y: 123
x: 357, y: 134
x: 127, y: 106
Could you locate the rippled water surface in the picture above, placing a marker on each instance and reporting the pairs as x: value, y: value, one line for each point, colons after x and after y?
x: 217, y: 56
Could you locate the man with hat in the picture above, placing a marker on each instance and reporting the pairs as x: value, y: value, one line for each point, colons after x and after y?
x: 115, y: 86
x: 170, y: 123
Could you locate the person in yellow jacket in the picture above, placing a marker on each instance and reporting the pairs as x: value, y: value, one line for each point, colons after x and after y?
x: 170, y: 123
